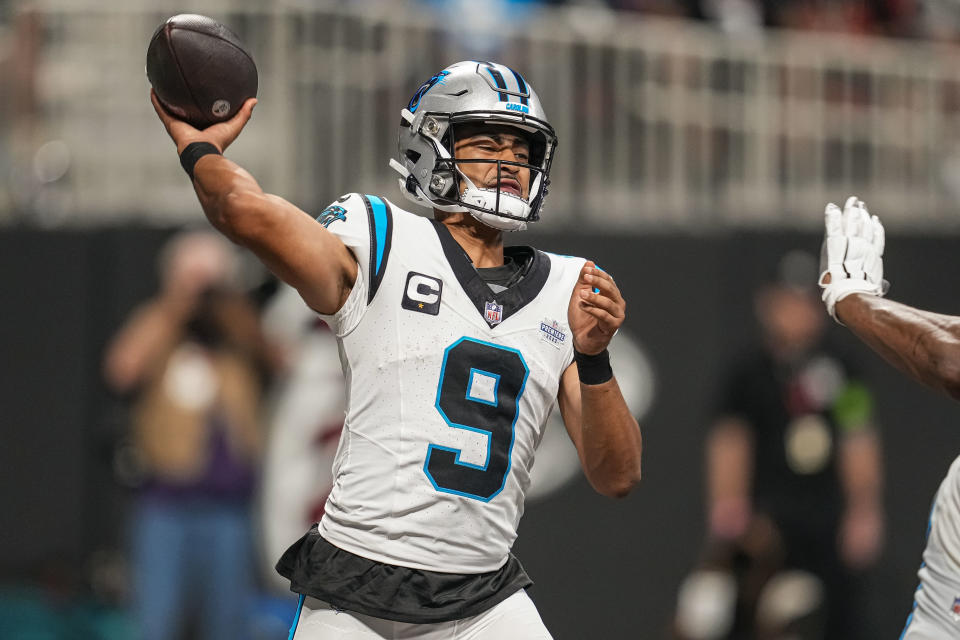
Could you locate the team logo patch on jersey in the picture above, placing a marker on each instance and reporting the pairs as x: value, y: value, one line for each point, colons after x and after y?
x: 550, y: 333
x: 493, y: 312
x: 331, y: 214
x: 422, y: 293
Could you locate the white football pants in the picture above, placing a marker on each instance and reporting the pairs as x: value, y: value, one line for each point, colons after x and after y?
x: 515, y: 618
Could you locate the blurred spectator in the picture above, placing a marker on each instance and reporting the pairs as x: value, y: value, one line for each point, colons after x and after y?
x: 192, y: 359
x: 794, y: 483
x: 864, y: 17
x: 20, y: 43
x: 482, y: 29
x: 938, y: 19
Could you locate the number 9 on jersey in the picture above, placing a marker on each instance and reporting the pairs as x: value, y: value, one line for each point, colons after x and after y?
x: 479, y: 390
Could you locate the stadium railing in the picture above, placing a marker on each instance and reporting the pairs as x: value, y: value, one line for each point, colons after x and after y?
x: 663, y: 124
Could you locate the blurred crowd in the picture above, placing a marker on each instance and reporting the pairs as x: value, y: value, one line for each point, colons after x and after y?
x: 933, y: 19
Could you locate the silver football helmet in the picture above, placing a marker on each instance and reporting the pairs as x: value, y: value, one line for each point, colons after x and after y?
x: 473, y: 93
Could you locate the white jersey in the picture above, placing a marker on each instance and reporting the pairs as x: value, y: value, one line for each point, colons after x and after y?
x: 449, y: 386
x: 936, y: 610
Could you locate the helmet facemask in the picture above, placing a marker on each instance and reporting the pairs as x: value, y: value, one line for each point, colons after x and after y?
x: 453, y: 190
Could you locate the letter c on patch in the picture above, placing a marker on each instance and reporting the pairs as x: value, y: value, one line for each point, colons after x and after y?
x: 430, y: 296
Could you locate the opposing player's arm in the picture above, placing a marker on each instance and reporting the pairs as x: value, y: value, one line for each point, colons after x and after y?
x: 605, y: 433
x: 923, y: 344
x: 286, y: 239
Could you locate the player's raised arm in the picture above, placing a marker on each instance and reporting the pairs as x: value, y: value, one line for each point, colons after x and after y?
x: 924, y: 344
x: 286, y: 239
x: 605, y: 433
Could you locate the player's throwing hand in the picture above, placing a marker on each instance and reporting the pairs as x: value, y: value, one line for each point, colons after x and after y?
x: 221, y: 135
x: 596, y: 310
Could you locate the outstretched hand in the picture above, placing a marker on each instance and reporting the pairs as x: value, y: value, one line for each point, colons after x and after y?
x: 851, y: 257
x: 220, y: 135
x: 596, y: 310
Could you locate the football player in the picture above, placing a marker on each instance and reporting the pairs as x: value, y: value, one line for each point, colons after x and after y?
x: 926, y: 346
x: 454, y: 349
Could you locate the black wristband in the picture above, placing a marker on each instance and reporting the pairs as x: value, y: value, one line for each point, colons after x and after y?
x: 593, y: 369
x: 193, y: 152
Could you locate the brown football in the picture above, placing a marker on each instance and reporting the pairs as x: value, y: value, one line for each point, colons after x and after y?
x: 200, y: 70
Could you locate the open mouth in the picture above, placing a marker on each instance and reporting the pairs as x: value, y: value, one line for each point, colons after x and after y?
x: 510, y: 186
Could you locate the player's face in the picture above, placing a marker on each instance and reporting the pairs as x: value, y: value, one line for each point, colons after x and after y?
x: 494, y: 143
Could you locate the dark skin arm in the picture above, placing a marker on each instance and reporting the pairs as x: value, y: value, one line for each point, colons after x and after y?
x: 605, y: 433
x: 923, y: 344
x: 289, y: 242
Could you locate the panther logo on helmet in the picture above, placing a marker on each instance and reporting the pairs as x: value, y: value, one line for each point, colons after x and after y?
x: 426, y: 86
x: 473, y: 93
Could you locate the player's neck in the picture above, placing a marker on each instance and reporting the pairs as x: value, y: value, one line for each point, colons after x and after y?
x: 482, y: 243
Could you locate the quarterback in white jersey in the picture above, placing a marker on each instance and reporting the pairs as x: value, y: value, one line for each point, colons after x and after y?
x: 924, y: 345
x: 447, y: 400
x: 454, y: 349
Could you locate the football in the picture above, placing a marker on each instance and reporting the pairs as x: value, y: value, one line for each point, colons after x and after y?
x: 200, y: 70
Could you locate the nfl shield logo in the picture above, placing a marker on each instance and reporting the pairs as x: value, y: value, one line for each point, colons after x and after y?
x: 956, y: 609
x: 493, y: 312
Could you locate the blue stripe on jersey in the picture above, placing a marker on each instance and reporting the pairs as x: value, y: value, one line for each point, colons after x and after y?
x: 380, y: 228
x: 296, y: 618
x: 922, y: 565
x: 907, y: 626
x: 380, y: 222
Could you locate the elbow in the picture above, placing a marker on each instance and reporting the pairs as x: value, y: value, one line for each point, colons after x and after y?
x: 948, y: 375
x: 621, y: 485
x: 946, y: 369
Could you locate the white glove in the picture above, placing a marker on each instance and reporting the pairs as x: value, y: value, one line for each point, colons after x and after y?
x: 852, y: 253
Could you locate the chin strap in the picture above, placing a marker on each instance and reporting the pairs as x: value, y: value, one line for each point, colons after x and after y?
x: 484, y: 198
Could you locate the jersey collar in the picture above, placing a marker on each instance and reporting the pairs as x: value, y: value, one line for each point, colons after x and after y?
x: 510, y: 300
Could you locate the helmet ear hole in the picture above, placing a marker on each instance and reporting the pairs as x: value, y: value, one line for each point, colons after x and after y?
x: 411, y: 184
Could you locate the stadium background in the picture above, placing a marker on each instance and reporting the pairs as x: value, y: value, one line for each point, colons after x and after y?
x: 693, y: 152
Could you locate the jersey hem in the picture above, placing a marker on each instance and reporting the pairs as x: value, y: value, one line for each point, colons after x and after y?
x: 333, y: 538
